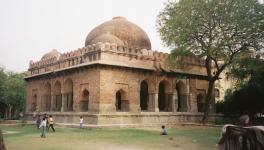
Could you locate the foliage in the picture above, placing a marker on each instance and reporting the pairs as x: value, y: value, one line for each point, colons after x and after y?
x: 216, y: 30
x: 3, y: 78
x: 248, y: 96
x: 12, y: 91
x: 15, y: 91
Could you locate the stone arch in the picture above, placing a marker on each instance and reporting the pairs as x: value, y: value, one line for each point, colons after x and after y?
x: 200, y: 103
x: 164, y: 96
x: 57, y: 103
x: 182, y: 96
x: 34, y: 102
x: 68, y: 95
x: 84, y: 100
x: 144, y: 95
x: 121, y: 103
x: 47, y: 97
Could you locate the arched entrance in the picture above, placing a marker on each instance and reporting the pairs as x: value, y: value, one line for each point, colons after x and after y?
x: 121, y: 103
x: 144, y: 96
x: 34, y: 103
x: 200, y: 103
x: 47, y: 97
x: 68, y: 95
x: 84, y: 100
x: 57, y: 103
x: 164, y: 99
x: 182, y: 96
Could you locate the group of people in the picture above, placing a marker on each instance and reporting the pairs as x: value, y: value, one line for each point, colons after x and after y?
x: 44, y: 123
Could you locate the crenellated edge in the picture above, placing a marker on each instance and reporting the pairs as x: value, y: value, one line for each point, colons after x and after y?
x: 93, y: 52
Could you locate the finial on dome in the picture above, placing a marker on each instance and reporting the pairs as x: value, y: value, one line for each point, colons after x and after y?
x: 119, y: 17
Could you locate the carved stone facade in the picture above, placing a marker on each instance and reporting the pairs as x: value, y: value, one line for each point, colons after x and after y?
x: 111, y: 83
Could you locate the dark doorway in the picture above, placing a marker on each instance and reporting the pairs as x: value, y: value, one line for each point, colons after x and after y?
x: 118, y: 101
x: 161, y: 98
x: 200, y: 103
x: 84, y: 101
x: 144, y: 96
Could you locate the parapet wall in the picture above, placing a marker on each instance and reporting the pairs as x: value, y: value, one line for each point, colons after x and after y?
x: 92, y: 53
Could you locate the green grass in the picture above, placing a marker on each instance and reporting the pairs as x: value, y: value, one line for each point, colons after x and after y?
x: 179, y: 138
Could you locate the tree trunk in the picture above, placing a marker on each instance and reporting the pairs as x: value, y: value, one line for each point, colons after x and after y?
x: 208, y: 99
x: 9, y: 111
x: 6, y: 112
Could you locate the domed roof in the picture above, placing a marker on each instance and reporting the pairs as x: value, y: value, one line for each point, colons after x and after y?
x: 130, y: 34
x: 52, y: 54
x: 107, y: 38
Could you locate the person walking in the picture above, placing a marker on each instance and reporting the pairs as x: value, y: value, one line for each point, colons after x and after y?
x: 43, y: 126
x: 47, y: 121
x: 51, y: 123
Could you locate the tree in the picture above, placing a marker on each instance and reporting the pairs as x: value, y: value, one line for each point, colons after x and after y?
x: 15, y: 92
x: 249, y: 94
x: 3, y: 78
x: 216, y: 30
x: 12, y: 92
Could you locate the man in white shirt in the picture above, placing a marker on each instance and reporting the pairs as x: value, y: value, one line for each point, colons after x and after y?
x: 43, y: 127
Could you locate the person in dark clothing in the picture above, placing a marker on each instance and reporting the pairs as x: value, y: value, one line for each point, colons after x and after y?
x: 38, y: 121
x: 47, y: 121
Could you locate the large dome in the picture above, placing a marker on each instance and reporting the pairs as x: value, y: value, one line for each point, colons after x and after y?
x: 124, y: 33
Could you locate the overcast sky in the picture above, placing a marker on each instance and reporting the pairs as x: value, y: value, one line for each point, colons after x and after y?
x: 31, y: 28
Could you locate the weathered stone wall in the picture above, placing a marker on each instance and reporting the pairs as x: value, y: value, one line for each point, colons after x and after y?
x: 123, y: 118
x: 103, y: 83
x: 82, y: 79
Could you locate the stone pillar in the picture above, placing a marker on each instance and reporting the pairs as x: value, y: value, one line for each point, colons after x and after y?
x: 63, y: 99
x: 174, y: 102
x: 70, y: 102
x: 156, y: 102
x: 53, y: 99
x: 151, y: 103
x: 189, y: 102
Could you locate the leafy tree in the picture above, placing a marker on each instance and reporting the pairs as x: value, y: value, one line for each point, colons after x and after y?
x: 12, y: 92
x: 249, y: 95
x: 3, y: 77
x: 15, y: 92
x: 216, y: 30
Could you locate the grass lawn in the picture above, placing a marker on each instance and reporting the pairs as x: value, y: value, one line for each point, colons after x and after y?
x: 179, y: 138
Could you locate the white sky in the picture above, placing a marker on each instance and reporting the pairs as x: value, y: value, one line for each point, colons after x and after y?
x: 31, y: 28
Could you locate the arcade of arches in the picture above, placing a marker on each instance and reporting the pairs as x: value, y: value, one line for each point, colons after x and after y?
x: 166, y: 95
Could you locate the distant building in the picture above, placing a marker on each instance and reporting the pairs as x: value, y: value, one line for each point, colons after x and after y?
x: 116, y: 78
